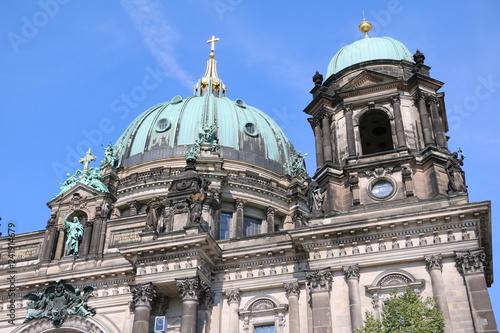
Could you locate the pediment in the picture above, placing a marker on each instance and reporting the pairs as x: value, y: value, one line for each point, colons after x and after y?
x: 80, y: 190
x: 367, y: 78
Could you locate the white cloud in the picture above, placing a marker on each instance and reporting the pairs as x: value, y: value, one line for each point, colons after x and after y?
x: 158, y: 36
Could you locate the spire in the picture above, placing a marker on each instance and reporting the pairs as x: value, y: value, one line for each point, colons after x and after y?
x: 210, y: 82
x: 365, y: 26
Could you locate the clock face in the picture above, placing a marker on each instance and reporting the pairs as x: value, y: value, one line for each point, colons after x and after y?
x: 382, y: 189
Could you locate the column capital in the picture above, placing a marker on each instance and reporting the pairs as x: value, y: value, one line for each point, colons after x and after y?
x: 347, y: 108
x: 292, y: 289
x: 270, y: 211
x: 470, y: 261
x: 419, y: 95
x: 395, y: 99
x: 431, y: 99
x: 319, y: 280
x: 233, y: 296
x: 315, y: 122
x: 434, y: 261
x: 351, y: 272
x: 142, y: 295
x: 189, y: 288
x: 239, y: 203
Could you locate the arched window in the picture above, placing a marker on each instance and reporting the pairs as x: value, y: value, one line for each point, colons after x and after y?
x: 375, y: 132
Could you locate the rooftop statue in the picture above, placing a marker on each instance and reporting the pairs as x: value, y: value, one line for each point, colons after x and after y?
x: 298, y: 165
x: 110, y: 158
x: 456, y: 175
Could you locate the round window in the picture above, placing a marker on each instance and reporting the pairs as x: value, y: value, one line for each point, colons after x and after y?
x: 382, y: 189
x: 162, y: 125
x: 250, y: 129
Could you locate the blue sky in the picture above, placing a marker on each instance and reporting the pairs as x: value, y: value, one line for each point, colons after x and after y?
x: 75, y: 74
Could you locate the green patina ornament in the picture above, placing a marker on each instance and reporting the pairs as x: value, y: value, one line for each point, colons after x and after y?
x: 74, y: 235
x: 58, y: 302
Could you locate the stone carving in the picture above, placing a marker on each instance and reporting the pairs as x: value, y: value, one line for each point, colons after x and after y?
x: 451, y: 235
x: 319, y: 280
x: 465, y: 234
x: 292, y: 289
x: 195, y: 202
x: 189, y: 288
x: 78, y: 323
x: 379, y: 172
x: 314, y: 122
x: 239, y: 203
x: 74, y: 235
x: 342, y: 251
x: 110, y: 158
x: 351, y: 272
x: 284, y: 268
x: 456, y: 176
x: 381, y: 245
x: 436, y: 238
x: 314, y: 197
x: 233, y: 296
x: 471, y: 261
x: 58, y: 302
x: 368, y: 247
x: 355, y: 248
x: 395, y: 243
x: 422, y: 240
x: 298, y: 164
x: 262, y: 304
x: 395, y: 99
x: 434, y: 261
x: 134, y: 207
x: 394, y: 279
x: 317, y: 79
x: 142, y: 295
x: 408, y: 242
x: 419, y: 61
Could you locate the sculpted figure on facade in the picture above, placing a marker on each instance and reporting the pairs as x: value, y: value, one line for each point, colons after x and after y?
x: 153, y: 212
x: 314, y: 198
x: 456, y: 175
x: 74, y: 235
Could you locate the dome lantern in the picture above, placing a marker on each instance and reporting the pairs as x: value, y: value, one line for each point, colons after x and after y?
x: 210, y: 82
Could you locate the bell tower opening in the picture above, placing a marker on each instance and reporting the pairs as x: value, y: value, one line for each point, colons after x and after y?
x: 375, y: 132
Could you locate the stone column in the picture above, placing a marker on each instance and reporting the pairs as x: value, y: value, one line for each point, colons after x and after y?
x: 319, y: 283
x: 292, y: 293
x: 87, y: 236
x: 49, y: 241
x: 239, y: 205
x: 351, y: 144
x: 315, y: 124
x: 437, y: 124
x: 434, y: 264
x: 400, y: 130
x: 60, y: 243
x: 143, y: 296
x: 471, y: 264
x: 233, y: 299
x: 270, y: 218
x: 327, y: 142
x: 351, y: 274
x: 424, y: 117
x: 189, y: 289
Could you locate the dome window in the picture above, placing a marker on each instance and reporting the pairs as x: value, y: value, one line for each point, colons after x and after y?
x: 163, y: 125
x: 240, y: 103
x: 250, y: 129
x: 176, y: 100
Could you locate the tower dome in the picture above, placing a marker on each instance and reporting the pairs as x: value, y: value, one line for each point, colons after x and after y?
x: 206, y: 121
x: 366, y: 49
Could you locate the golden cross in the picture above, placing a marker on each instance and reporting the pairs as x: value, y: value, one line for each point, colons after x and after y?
x: 212, y: 41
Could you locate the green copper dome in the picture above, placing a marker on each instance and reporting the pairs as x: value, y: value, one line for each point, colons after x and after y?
x: 241, y: 132
x: 366, y: 49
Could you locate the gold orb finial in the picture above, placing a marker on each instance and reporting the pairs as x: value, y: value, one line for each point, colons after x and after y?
x: 365, y: 27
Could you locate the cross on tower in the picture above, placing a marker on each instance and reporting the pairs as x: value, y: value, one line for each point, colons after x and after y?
x: 212, y: 41
x: 87, y: 159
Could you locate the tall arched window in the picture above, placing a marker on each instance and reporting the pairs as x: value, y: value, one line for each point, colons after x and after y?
x: 375, y: 132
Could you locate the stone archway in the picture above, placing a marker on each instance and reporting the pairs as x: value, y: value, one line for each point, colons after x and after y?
x: 72, y: 324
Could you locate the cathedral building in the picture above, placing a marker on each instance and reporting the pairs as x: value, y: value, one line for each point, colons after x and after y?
x: 202, y: 217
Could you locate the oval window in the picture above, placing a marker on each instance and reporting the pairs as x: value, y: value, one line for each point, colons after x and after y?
x: 382, y: 189
x: 250, y: 129
x: 162, y: 125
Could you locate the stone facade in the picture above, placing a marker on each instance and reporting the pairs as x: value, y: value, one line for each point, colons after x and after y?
x: 216, y: 244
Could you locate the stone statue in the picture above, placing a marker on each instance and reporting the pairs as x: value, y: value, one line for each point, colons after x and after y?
x: 456, y: 176
x: 313, y: 194
x: 195, y: 206
x: 74, y: 234
x: 153, y: 212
